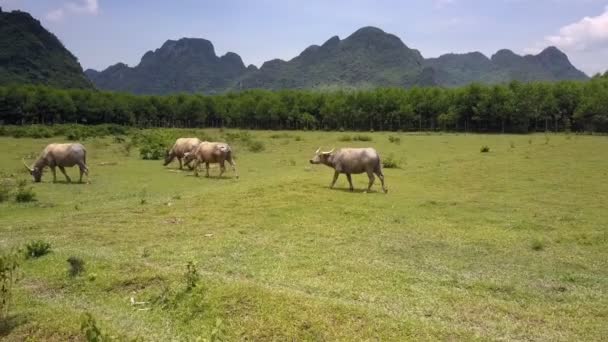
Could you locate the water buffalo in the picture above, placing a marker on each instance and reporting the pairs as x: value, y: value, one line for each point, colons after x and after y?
x: 211, y: 153
x: 60, y: 155
x: 352, y: 160
x: 181, y: 147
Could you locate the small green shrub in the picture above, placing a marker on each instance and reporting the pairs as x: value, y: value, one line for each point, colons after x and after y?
x: 5, y: 190
x: 91, y: 331
x: 191, y: 277
x: 345, y: 138
x: 76, y: 266
x: 362, y: 137
x: 484, y: 149
x: 9, y: 268
x: 24, y: 193
x: 256, y: 146
x: 538, y: 245
x: 394, y: 140
x: 218, y: 332
x: 390, y: 162
x: 36, y: 249
x: 512, y: 144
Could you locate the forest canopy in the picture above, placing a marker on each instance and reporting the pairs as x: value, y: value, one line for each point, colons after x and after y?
x: 515, y: 107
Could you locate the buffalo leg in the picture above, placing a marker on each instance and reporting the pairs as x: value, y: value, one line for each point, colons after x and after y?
x: 54, y: 174
x: 179, y: 159
x: 381, y: 176
x: 371, y: 180
x: 336, y: 174
x: 350, y: 181
x: 222, y: 168
x: 83, y: 170
x: 207, y: 169
x: 233, y: 164
x: 65, y: 174
x: 196, y: 162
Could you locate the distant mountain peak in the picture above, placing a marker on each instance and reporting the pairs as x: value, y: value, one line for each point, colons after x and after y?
x: 368, y: 57
x: 30, y: 54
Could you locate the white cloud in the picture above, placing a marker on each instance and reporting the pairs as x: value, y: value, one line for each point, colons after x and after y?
x: 87, y: 6
x: 441, y: 4
x: 584, y: 41
x: 590, y: 33
x: 90, y: 7
x: 55, y: 15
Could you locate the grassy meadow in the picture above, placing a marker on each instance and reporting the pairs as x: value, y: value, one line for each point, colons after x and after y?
x: 511, y: 244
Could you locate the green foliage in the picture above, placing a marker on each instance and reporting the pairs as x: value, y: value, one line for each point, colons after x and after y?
x: 218, y: 333
x: 24, y: 193
x: 394, y: 139
x: 191, y: 277
x: 9, y: 266
x: 362, y: 137
x: 255, y: 146
x: 390, y: 162
x: 76, y: 266
x: 484, y: 149
x: 515, y: 107
x: 345, y: 138
x: 5, y: 190
x: 152, y: 144
x: 30, y: 54
x: 92, y: 333
x: 537, y: 245
x: 36, y: 249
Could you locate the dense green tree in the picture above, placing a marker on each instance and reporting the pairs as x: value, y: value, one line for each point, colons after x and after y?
x: 514, y: 107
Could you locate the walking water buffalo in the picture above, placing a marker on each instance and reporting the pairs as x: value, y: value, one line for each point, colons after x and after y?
x: 211, y: 153
x: 179, y: 149
x: 60, y: 155
x: 352, y: 161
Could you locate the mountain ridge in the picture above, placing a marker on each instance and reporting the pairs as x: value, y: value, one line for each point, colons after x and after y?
x: 30, y: 54
x: 369, y: 57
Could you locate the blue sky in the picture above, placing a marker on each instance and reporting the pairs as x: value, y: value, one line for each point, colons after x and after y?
x: 103, y: 32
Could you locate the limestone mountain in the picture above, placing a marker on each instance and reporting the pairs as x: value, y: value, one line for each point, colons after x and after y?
x: 185, y: 65
x: 29, y: 54
x: 368, y: 58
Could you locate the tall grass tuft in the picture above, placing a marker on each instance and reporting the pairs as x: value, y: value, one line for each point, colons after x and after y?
x: 76, y: 266
x: 36, y: 249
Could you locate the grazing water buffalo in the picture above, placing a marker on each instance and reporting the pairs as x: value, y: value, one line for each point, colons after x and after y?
x: 352, y: 160
x: 179, y: 149
x: 60, y: 155
x: 211, y: 153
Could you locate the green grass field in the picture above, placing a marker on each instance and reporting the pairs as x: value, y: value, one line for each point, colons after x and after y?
x: 506, y: 245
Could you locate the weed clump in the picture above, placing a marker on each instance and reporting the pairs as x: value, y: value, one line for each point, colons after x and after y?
x: 256, y: 146
x: 91, y: 331
x: 394, y: 140
x: 390, y: 162
x: 345, y: 138
x: 538, y: 245
x: 5, y: 190
x: 36, y: 249
x: 76, y: 266
x: 484, y: 149
x: 191, y: 277
x: 9, y: 267
x: 24, y: 193
x: 362, y: 137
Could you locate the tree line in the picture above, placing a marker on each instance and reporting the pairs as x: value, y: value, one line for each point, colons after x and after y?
x: 514, y: 107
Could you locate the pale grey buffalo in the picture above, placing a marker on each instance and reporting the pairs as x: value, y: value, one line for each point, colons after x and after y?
x: 211, y: 153
x: 352, y: 161
x: 179, y: 149
x: 60, y: 155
